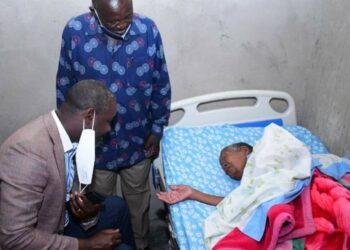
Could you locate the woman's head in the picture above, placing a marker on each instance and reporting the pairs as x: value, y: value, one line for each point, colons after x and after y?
x: 233, y: 159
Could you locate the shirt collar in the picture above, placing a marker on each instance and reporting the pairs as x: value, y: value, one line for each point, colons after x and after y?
x: 66, y: 142
x: 94, y: 28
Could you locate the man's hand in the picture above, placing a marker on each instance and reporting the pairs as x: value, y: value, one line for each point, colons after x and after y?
x: 82, y: 208
x: 104, y: 240
x: 178, y: 193
x: 152, y: 146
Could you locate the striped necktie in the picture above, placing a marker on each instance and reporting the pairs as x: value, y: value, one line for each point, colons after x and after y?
x: 69, y: 163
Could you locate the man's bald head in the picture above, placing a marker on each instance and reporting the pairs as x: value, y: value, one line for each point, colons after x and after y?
x: 115, y: 15
x: 111, y: 4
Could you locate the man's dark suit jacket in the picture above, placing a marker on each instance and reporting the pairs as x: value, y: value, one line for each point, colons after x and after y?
x: 33, y: 188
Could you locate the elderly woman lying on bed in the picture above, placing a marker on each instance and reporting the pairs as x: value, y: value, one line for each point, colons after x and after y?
x: 233, y: 159
x: 279, y: 172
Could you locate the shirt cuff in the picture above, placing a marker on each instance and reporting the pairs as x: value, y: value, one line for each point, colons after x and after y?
x: 157, y: 130
x: 89, y: 223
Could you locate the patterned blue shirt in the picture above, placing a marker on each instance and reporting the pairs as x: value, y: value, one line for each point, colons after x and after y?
x: 135, y: 71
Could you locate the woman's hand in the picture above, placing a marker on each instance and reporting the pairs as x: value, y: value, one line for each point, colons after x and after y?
x: 178, y: 193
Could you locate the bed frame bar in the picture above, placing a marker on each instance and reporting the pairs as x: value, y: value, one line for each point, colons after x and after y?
x: 260, y: 111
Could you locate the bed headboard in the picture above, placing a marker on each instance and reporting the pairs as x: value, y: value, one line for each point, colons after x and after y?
x: 260, y: 111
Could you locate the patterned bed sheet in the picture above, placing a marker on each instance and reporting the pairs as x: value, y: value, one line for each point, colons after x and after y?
x: 191, y: 157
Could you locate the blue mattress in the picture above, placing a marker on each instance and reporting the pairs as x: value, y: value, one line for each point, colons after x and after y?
x: 191, y: 157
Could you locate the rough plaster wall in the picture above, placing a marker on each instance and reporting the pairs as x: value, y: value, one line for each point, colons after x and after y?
x: 326, y: 110
x: 210, y: 46
x: 29, y: 46
x: 235, y: 44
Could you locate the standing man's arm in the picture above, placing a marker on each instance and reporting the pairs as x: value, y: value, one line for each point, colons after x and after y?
x: 65, y: 77
x: 161, y: 98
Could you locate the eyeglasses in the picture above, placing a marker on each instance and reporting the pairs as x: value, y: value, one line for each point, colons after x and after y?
x: 124, y: 30
x: 111, y: 33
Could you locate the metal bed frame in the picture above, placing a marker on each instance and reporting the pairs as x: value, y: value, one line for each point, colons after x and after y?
x: 261, y: 110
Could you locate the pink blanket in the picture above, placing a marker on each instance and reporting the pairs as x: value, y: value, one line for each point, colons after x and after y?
x: 331, y: 213
x: 285, y: 222
x: 321, y: 214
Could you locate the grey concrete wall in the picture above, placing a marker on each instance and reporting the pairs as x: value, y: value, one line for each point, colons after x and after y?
x: 298, y: 46
x: 326, y: 109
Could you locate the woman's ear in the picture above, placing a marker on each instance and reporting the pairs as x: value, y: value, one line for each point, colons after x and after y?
x: 246, y: 150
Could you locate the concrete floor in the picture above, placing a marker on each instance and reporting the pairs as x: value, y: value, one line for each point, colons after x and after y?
x: 159, y: 238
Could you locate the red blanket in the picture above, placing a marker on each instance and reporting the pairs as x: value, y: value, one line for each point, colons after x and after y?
x: 285, y: 221
x: 324, y: 221
x: 331, y: 213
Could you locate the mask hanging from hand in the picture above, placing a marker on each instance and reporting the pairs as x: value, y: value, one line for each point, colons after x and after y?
x: 85, y: 156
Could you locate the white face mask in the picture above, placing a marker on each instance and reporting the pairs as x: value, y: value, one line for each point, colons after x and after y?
x: 85, y: 156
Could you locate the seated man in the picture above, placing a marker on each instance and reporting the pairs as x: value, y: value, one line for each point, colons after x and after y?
x: 233, y: 159
x: 36, y: 179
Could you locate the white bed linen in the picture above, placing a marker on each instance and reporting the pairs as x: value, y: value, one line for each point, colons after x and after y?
x: 190, y: 157
x: 276, y: 163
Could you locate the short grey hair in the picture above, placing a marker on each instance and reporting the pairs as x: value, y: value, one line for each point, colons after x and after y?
x: 237, y: 147
x: 89, y: 94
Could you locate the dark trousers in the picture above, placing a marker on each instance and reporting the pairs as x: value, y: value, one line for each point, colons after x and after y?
x: 114, y: 214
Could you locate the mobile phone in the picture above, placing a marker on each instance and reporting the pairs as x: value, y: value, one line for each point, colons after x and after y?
x: 95, y: 197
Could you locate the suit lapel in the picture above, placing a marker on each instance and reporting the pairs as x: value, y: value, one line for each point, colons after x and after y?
x: 58, y: 148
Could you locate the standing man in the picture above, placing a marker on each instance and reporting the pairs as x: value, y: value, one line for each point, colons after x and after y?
x: 123, y: 50
x: 39, y: 207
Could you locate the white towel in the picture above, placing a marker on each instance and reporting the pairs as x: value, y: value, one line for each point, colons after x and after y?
x: 277, y: 161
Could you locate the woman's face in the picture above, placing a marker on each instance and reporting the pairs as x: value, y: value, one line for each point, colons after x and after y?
x: 233, y: 162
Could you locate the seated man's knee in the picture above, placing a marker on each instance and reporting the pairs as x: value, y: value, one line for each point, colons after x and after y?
x: 116, y: 205
x: 116, y: 212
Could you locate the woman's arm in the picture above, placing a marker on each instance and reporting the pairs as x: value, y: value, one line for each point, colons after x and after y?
x: 182, y: 192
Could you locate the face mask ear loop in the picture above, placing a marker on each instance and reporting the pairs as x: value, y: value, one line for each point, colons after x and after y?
x: 82, y: 190
x: 93, y: 121
x: 127, y: 31
x: 83, y: 123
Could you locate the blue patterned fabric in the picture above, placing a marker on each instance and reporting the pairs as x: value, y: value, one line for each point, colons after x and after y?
x: 134, y: 69
x: 191, y: 157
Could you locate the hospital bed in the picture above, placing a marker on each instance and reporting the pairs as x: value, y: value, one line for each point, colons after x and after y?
x: 190, y: 149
